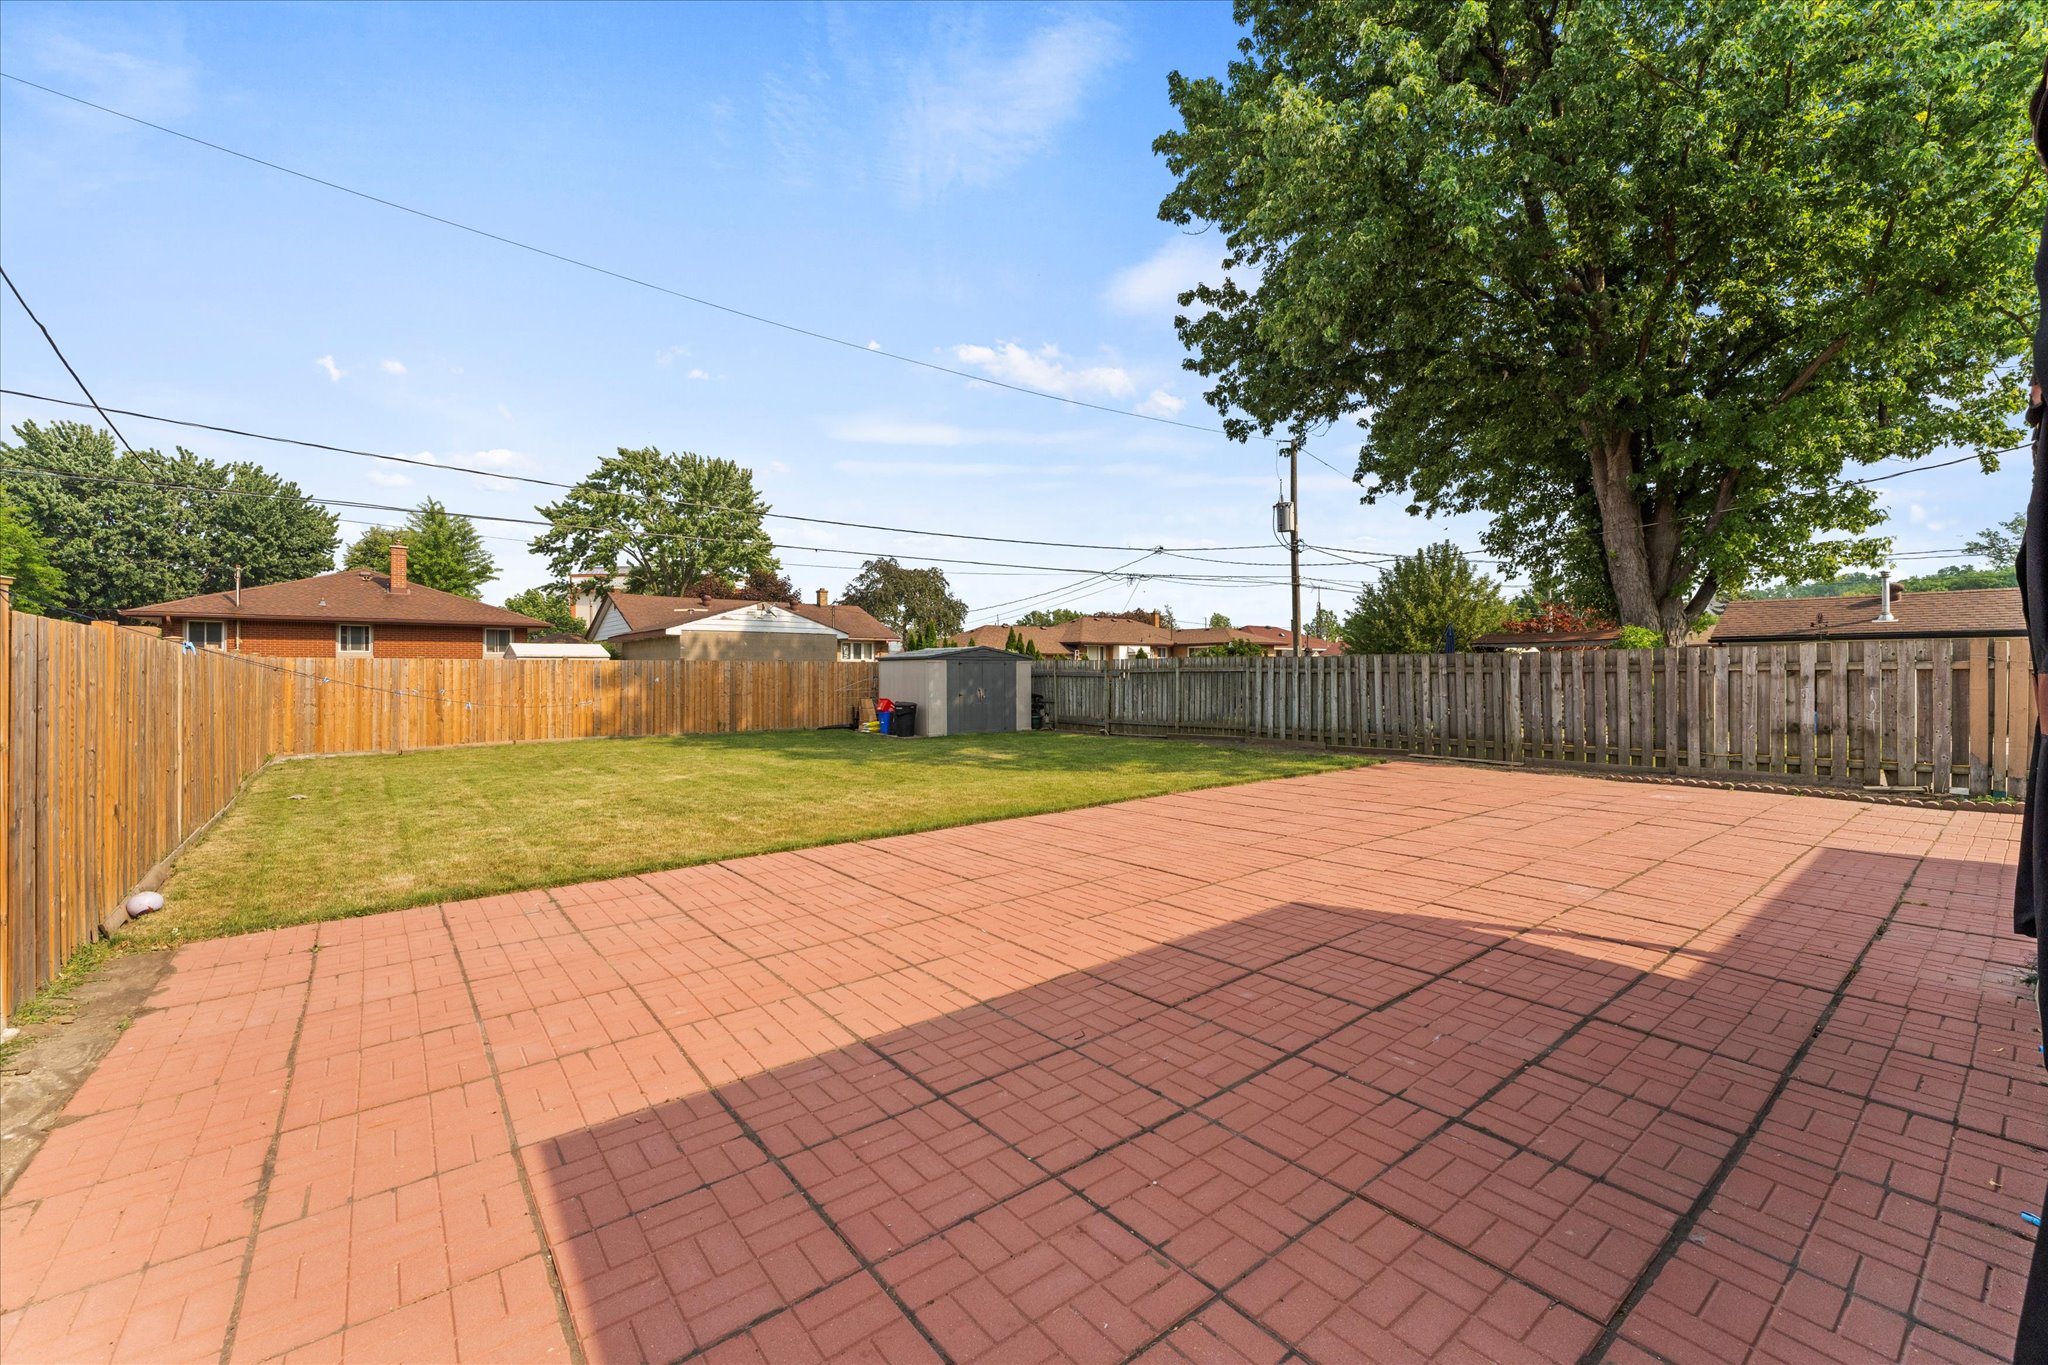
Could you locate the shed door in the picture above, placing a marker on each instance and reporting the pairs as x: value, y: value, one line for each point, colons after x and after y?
x: 984, y: 697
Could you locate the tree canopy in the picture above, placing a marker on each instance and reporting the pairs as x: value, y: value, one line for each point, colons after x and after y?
x: 1055, y: 616
x: 1635, y: 279
x: 762, y: 585
x: 917, y: 604
x: 442, y: 550
x: 130, y: 530
x: 1324, y: 624
x: 549, y: 603
x: 1999, y: 544
x: 1417, y: 598
x: 1218, y: 621
x: 662, y: 522
x: 25, y: 557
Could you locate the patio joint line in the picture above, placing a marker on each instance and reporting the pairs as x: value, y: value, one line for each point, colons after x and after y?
x: 747, y: 1129
x: 1220, y: 1295
x: 262, y: 1198
x: 540, y: 1233
x: 1585, y: 1019
x: 1681, y: 1231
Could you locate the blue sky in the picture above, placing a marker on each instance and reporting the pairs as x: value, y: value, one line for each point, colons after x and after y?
x: 972, y: 185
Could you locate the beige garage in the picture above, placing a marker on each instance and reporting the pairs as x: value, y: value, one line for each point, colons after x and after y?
x: 722, y: 631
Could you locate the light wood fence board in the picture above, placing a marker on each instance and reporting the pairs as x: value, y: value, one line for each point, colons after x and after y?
x: 119, y: 746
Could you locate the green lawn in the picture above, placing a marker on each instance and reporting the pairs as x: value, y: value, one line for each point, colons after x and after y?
x: 322, y: 838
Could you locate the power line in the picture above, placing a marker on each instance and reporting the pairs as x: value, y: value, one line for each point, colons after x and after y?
x: 43, y: 472
x: 418, y: 463
x: 865, y: 348
x: 1922, y: 468
x: 59, y: 351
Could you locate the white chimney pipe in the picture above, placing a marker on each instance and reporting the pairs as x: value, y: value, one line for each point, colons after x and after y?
x: 1884, y: 595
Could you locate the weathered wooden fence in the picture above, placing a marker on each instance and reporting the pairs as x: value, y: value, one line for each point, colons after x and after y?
x: 1935, y: 716
x: 117, y: 747
x: 329, y: 706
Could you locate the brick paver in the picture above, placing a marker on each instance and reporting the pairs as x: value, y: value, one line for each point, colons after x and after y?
x: 1406, y: 1063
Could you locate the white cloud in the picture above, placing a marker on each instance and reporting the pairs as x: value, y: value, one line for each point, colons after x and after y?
x: 697, y: 374
x: 1046, y: 368
x: 102, y: 70
x: 334, y: 371
x: 874, y: 345
x: 504, y: 461
x: 879, y: 429
x: 495, y: 461
x: 390, y: 366
x: 981, y: 109
x: 946, y: 469
x: 1161, y: 403
x: 1153, y: 286
x: 387, y: 478
x: 669, y: 355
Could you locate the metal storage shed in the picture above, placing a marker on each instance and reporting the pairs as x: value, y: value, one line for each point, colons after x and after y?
x: 969, y: 690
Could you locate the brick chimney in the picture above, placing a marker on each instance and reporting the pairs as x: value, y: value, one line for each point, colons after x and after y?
x: 398, y: 583
x: 824, y: 598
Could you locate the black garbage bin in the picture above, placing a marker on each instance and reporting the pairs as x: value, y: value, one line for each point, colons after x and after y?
x: 904, y: 719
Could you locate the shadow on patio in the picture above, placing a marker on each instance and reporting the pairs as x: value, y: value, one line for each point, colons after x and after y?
x: 1535, y: 1132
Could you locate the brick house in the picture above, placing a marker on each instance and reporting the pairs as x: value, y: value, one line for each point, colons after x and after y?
x: 354, y: 614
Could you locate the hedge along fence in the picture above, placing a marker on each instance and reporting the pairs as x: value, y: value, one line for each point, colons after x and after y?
x: 1935, y: 716
x: 118, y: 747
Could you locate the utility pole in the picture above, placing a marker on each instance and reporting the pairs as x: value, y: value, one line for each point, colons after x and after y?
x: 1294, y: 540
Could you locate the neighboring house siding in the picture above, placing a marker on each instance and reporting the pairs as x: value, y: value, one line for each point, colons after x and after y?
x: 316, y: 640
x: 752, y: 646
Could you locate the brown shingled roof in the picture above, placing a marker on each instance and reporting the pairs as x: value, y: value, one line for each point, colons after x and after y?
x: 1201, y: 637
x: 645, y: 613
x: 351, y: 595
x: 1280, y: 637
x: 1548, y: 639
x: 1971, y: 611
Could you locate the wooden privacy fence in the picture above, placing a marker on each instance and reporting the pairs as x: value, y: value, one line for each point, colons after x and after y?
x: 117, y: 747
x: 1935, y: 716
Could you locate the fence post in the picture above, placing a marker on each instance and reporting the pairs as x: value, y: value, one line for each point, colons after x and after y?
x: 178, y: 748
x: 7, y: 791
x: 1512, y: 732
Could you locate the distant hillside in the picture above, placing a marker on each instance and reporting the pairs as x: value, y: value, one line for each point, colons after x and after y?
x: 1949, y: 578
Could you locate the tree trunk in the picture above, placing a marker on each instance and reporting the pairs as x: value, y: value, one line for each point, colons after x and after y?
x: 1621, y: 532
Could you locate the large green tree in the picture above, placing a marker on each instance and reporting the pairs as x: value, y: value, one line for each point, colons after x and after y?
x: 25, y: 557
x: 1635, y: 277
x: 442, y: 550
x: 1420, y: 596
x: 917, y: 604
x: 129, y: 530
x: 661, y: 522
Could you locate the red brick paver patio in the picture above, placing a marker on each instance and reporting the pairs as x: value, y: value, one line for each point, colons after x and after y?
x: 1403, y: 1063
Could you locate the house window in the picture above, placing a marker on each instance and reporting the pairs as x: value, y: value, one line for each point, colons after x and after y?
x: 352, y: 639
x: 856, y: 651
x: 207, y: 634
x: 496, y: 642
